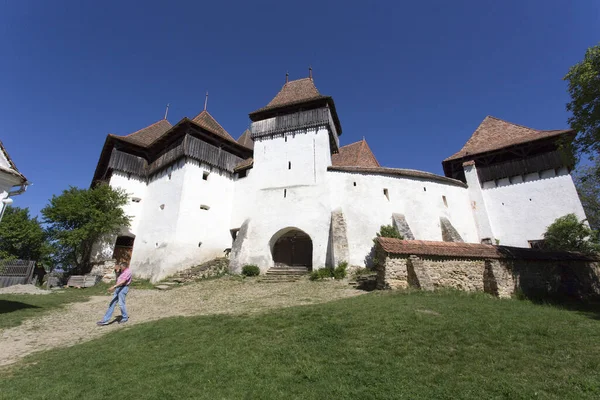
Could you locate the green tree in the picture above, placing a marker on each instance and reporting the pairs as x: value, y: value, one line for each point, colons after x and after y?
x: 567, y: 233
x: 80, y: 218
x: 584, y: 87
x: 22, y: 237
x: 388, y: 231
x: 587, y: 181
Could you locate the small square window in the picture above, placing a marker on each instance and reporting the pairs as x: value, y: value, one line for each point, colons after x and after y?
x: 205, y: 175
x: 386, y: 194
x: 135, y: 199
x: 204, y: 207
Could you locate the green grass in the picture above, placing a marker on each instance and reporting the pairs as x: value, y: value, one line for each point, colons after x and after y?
x: 15, y: 308
x: 378, y: 346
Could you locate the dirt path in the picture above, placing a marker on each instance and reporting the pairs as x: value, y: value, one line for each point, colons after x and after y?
x: 76, y: 322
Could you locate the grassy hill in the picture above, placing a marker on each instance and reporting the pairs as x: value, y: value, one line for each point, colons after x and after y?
x: 384, y: 345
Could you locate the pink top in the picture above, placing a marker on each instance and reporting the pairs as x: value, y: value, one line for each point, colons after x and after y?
x: 125, y: 277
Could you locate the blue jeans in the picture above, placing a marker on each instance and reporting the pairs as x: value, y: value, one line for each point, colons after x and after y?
x: 118, y: 296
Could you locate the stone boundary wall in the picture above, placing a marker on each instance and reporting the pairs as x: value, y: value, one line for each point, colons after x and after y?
x: 501, y: 273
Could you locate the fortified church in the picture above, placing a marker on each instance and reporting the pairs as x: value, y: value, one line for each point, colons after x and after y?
x: 287, y: 193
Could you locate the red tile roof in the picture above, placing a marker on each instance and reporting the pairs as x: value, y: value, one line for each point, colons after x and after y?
x: 495, y: 134
x: 355, y: 155
x: 294, y: 92
x: 246, y: 139
x: 473, y: 250
x: 206, y: 121
x: 409, y: 173
x: 430, y: 248
x: 146, y: 136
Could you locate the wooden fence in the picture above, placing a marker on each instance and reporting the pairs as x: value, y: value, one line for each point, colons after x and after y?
x: 16, y: 272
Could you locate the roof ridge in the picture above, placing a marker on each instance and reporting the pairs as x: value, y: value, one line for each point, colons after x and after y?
x: 243, y: 133
x: 359, y: 152
x: 350, y: 144
x: 216, y: 122
x: 512, y: 123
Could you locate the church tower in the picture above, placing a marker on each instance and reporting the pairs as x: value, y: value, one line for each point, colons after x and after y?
x: 295, y: 135
x: 283, y: 206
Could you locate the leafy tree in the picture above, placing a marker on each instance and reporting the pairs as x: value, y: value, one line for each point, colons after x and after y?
x: 22, y: 237
x: 374, y: 258
x: 584, y: 87
x: 587, y: 181
x: 388, y: 231
x: 567, y: 233
x: 79, y: 218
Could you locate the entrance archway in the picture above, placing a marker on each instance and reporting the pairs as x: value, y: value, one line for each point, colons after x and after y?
x: 293, y: 248
x: 123, y: 249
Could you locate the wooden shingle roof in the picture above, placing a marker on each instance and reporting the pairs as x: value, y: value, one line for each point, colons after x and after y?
x: 355, y: 155
x: 294, y: 92
x: 206, y: 121
x: 495, y: 134
x: 148, y: 135
x: 246, y: 139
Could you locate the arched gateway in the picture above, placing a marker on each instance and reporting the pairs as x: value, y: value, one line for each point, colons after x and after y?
x: 292, y: 247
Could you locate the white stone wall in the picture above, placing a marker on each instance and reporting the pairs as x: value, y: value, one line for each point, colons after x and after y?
x: 154, y: 244
x: 521, y: 208
x: 276, y: 198
x: 136, y: 189
x: 477, y: 203
x: 366, y: 208
x: 182, y: 233
x: 205, y: 214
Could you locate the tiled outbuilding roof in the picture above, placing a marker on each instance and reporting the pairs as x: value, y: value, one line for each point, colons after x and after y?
x: 355, y: 155
x: 246, y: 139
x: 430, y: 248
x: 12, y: 168
x: 409, y: 173
x: 495, y: 134
x: 473, y: 250
x: 206, y: 121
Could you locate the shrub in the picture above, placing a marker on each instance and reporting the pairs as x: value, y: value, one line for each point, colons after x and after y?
x: 388, y: 231
x: 567, y: 233
x: 340, y: 271
x: 250, y: 270
x: 321, y: 274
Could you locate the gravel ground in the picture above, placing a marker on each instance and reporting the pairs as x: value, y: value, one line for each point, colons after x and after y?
x: 76, y: 323
x: 23, y: 289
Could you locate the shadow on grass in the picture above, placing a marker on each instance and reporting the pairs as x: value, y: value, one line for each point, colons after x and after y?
x: 589, y: 308
x: 7, y: 306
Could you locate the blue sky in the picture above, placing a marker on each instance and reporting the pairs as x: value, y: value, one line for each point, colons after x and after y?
x: 415, y: 78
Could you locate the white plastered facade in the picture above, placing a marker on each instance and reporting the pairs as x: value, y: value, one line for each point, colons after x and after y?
x: 181, y: 219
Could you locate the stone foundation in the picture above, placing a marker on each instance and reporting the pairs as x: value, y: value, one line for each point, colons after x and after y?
x: 105, y: 269
x: 574, y: 279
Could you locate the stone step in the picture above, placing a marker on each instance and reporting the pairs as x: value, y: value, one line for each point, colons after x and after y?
x: 274, y: 273
x: 280, y: 280
x: 163, y: 287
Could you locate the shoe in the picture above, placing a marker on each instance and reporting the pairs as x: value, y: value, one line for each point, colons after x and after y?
x: 101, y: 323
x: 122, y: 321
